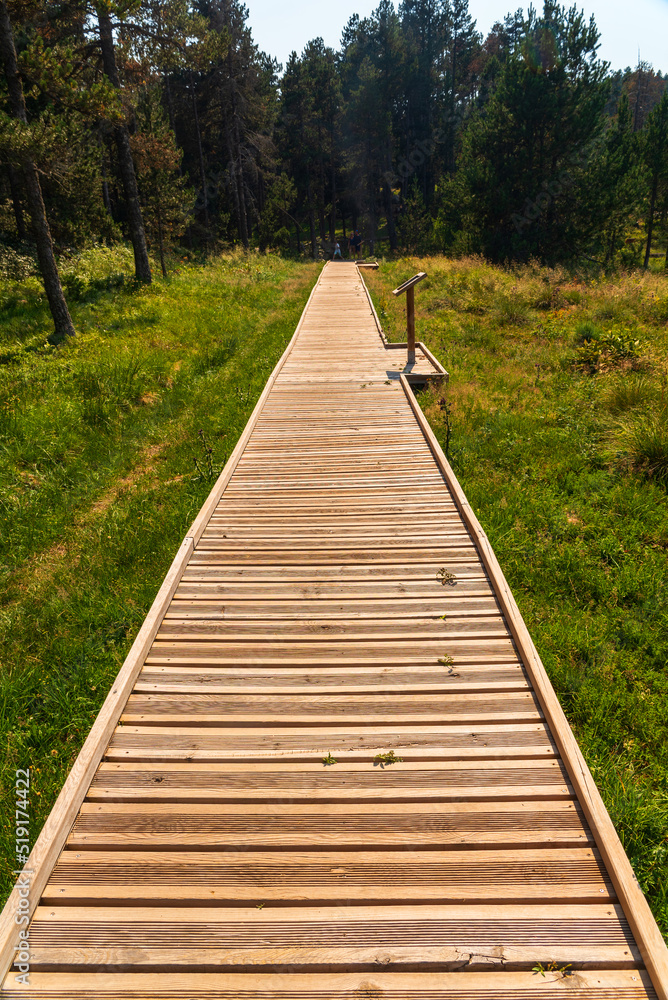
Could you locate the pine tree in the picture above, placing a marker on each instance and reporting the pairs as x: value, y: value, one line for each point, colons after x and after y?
x: 655, y: 150
x: 63, y: 326
x: 615, y: 183
x: 166, y: 198
x: 124, y: 151
x: 525, y: 155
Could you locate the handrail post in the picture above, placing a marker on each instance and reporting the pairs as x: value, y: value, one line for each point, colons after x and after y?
x: 409, y: 288
x: 410, y: 324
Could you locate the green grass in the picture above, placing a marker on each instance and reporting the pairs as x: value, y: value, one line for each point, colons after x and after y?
x: 98, y: 482
x: 565, y: 464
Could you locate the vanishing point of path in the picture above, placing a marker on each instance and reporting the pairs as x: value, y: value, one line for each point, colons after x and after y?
x: 335, y: 601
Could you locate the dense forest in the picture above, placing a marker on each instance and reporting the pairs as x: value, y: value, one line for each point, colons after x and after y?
x: 161, y: 122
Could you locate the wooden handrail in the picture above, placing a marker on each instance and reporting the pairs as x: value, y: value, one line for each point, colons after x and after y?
x: 408, y: 288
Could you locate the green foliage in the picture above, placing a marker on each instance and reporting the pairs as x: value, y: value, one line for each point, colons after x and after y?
x: 611, y: 348
x: 524, y: 155
x: 414, y: 227
x: 14, y: 265
x: 630, y: 390
x: 541, y: 969
x: 167, y: 200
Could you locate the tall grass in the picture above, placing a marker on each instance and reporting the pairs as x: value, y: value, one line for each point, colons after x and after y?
x: 643, y: 439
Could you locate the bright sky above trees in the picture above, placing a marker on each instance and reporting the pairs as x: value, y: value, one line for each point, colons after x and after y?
x: 280, y: 28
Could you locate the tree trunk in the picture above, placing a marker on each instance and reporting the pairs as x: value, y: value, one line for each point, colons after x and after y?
x: 332, y: 216
x: 200, y: 153
x: 16, y: 202
x: 314, y: 241
x: 105, y: 187
x: 650, y: 220
x: 233, y: 179
x: 311, y: 219
x: 239, y: 173
x: 126, y: 165
x: 170, y: 102
x: 47, y: 262
x: 391, y: 226
x: 161, y: 241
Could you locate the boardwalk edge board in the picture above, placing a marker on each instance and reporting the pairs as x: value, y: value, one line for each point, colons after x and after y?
x: 56, y: 829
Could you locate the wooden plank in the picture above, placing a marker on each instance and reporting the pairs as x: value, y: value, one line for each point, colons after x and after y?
x: 551, y: 876
x: 599, y: 984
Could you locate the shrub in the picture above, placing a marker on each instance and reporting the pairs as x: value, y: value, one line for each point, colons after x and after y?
x: 603, y: 350
x: 511, y: 311
x: 627, y: 392
x: 643, y: 439
x: 15, y: 266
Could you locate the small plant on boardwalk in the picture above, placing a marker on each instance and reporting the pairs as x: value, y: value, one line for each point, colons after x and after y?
x: 329, y: 760
x: 446, y: 577
x: 387, y: 758
x: 541, y: 970
x: 449, y: 664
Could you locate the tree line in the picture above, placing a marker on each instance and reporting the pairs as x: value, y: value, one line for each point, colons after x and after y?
x: 161, y: 122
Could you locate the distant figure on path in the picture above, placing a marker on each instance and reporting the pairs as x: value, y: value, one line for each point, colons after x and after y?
x: 337, y: 253
x: 355, y: 244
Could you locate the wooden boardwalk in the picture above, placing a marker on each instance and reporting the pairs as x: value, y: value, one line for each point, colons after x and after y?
x: 335, y: 599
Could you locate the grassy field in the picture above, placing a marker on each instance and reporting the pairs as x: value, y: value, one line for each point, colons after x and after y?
x: 558, y: 416
x: 98, y: 482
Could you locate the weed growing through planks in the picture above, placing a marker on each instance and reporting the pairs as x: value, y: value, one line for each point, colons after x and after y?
x: 563, y: 465
x: 329, y: 760
x: 542, y: 970
x: 93, y: 510
x: 385, y: 759
x: 449, y: 664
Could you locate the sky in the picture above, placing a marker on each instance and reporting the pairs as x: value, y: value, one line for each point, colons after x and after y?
x: 280, y: 28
